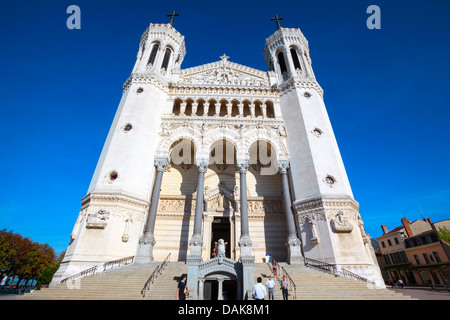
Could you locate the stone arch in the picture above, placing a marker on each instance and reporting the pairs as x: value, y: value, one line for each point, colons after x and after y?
x: 171, y: 137
x: 270, y: 137
x: 226, y: 134
x: 182, y: 151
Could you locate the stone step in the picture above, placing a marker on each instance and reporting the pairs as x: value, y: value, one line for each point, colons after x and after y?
x: 127, y: 282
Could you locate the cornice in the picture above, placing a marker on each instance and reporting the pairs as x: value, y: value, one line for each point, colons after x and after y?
x: 145, y: 78
x: 123, y: 198
x: 298, y: 83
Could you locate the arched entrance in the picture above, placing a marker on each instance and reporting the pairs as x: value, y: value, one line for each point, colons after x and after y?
x: 220, y: 287
x: 220, y: 279
x: 220, y: 229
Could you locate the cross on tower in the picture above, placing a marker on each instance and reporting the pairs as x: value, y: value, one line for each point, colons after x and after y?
x: 278, y: 21
x: 172, y: 15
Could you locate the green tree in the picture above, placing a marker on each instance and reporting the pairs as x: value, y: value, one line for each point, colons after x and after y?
x: 444, y: 234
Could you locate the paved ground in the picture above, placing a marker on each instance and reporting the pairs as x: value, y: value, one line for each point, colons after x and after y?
x: 424, y: 293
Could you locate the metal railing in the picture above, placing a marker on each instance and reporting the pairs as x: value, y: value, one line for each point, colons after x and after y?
x: 336, y: 270
x: 118, y: 262
x: 158, y: 271
x: 93, y: 270
x: 84, y: 273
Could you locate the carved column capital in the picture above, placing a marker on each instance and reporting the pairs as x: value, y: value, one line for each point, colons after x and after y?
x: 202, y: 165
x: 283, y: 165
x: 161, y: 164
x: 242, y: 166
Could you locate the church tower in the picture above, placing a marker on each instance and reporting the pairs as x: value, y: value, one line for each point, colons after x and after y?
x: 220, y: 165
x: 114, y: 211
x: 330, y: 227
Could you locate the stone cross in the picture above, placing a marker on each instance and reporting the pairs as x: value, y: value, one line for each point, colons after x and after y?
x: 171, y: 17
x: 278, y: 21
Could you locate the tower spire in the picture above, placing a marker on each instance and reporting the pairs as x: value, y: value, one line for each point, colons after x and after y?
x: 172, y: 16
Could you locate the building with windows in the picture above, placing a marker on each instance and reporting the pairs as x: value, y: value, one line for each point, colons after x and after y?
x: 220, y: 154
x: 415, y: 253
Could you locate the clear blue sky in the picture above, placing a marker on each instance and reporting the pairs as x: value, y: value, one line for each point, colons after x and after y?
x: 386, y: 93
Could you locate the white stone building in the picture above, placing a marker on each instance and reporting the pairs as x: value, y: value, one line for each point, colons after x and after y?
x: 220, y: 151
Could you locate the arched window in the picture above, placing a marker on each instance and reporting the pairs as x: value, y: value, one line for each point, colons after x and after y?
x: 282, y: 62
x: 295, y: 59
x: 151, y: 59
x: 166, y: 60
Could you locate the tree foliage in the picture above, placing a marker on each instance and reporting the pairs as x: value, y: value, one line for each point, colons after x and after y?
x: 444, y: 234
x: 23, y: 257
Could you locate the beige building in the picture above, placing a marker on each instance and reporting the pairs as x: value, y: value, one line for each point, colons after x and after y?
x: 414, y: 253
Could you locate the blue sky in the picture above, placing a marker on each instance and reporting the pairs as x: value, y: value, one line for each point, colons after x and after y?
x: 386, y: 93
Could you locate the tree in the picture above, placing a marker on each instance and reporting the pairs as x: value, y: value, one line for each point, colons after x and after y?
x: 444, y: 234
x: 23, y: 258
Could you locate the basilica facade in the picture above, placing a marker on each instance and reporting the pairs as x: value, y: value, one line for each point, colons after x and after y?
x: 224, y: 152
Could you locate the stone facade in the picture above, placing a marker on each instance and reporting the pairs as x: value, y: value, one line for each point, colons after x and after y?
x: 220, y: 149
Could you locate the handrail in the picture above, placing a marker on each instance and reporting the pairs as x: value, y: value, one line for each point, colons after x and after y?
x: 81, y: 274
x: 158, y: 270
x: 334, y: 269
x: 93, y: 270
x: 118, y: 262
x: 291, y: 282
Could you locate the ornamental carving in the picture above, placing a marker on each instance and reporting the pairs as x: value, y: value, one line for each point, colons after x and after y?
x: 223, y: 73
x: 340, y: 224
x: 97, y: 220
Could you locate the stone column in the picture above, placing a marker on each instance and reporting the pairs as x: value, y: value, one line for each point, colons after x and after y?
x: 217, y: 106
x: 147, y: 241
x: 220, y: 290
x: 194, y: 257
x: 293, y: 243
x: 241, y: 109
x: 243, y: 167
x: 205, y: 108
x: 252, y: 109
x: 196, y: 239
x: 247, y: 259
x: 183, y: 108
x: 194, y: 108
x: 229, y: 108
x: 201, y: 286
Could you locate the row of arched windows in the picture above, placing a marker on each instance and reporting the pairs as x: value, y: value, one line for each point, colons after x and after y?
x: 223, y: 108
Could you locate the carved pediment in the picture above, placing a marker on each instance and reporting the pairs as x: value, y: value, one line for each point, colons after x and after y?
x: 223, y: 73
x: 221, y: 198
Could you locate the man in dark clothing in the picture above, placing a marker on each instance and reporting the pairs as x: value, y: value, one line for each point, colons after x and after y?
x: 180, y: 290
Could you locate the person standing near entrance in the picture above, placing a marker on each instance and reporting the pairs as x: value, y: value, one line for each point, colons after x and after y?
x: 258, y: 290
x: 271, y: 287
x: 181, y: 290
x: 284, y: 288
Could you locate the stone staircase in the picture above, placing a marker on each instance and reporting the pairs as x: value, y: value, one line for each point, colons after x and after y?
x: 312, y: 284
x: 126, y: 283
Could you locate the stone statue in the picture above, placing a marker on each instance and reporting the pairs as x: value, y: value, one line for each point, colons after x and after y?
x: 221, y: 249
